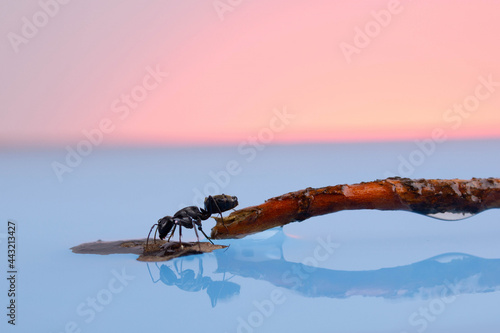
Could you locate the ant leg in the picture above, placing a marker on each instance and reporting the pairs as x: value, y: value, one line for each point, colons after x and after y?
x: 175, y: 226
x: 220, y: 212
x: 200, y: 267
x: 180, y: 235
x: 198, y: 223
x: 214, y: 203
x: 196, y: 232
x: 222, y: 219
x: 204, y: 234
x: 151, y: 275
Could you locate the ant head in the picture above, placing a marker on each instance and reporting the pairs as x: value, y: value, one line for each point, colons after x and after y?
x: 165, y: 224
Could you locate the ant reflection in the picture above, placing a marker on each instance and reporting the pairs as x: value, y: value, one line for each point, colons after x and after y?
x: 187, y: 280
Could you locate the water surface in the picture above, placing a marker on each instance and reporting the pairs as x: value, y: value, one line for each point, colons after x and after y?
x: 353, y: 271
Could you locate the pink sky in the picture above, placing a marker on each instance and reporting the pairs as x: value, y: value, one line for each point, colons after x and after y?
x: 229, y: 72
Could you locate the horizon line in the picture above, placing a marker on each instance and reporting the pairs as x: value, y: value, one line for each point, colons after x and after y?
x: 219, y: 143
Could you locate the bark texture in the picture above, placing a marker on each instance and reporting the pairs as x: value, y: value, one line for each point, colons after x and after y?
x: 423, y: 196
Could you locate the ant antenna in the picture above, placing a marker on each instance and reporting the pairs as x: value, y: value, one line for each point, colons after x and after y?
x: 147, y: 239
x: 154, y: 235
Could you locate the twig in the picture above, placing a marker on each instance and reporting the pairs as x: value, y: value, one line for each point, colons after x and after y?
x: 423, y: 196
x: 159, y: 251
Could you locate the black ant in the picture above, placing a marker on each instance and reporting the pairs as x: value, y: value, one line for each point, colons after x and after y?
x: 190, y: 217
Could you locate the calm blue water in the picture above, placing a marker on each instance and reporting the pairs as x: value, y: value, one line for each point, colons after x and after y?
x: 357, y: 271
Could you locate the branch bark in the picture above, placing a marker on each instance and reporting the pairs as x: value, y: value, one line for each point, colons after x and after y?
x: 423, y: 196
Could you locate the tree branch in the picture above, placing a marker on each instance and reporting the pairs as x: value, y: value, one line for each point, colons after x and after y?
x: 423, y: 196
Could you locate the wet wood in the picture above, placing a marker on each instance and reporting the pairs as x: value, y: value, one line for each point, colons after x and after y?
x: 156, y: 251
x: 423, y: 196
x: 171, y: 250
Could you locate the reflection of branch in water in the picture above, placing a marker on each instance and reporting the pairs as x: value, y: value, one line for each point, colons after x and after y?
x: 460, y: 273
x: 187, y: 280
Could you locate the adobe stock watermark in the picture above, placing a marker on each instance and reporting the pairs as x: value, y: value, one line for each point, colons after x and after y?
x: 371, y: 30
x: 296, y: 276
x: 89, y: 309
x: 122, y: 107
x: 30, y: 26
x: 421, y: 318
x: 248, y: 149
x: 222, y: 7
x: 454, y: 117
